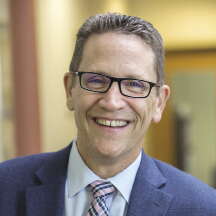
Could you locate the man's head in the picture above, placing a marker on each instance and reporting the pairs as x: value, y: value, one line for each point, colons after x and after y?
x: 115, y: 96
x: 114, y: 22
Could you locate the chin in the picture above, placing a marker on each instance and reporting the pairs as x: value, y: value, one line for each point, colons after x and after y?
x: 110, y: 151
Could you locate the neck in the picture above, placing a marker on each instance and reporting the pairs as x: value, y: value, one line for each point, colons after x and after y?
x: 106, y: 167
x: 107, y: 170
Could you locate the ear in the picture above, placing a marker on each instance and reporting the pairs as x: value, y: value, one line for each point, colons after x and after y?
x: 161, y: 100
x: 68, y: 84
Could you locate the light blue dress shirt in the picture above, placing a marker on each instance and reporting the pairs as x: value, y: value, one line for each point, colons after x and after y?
x: 77, y: 194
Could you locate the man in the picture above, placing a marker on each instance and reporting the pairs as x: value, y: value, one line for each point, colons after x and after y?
x: 116, y: 89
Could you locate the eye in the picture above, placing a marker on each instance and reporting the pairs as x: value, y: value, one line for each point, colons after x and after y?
x: 136, y: 85
x: 95, y: 79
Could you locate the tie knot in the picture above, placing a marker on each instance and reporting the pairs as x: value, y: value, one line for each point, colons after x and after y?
x: 102, y: 188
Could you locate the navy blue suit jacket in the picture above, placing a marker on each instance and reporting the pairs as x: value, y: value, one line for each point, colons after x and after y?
x: 35, y: 186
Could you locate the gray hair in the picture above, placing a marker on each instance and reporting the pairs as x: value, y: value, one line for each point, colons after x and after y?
x: 115, y: 22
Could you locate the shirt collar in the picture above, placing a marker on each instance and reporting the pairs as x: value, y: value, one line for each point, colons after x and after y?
x: 79, y: 175
x: 128, y: 175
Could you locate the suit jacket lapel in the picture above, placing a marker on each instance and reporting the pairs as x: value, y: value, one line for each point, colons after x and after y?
x: 147, y: 198
x: 47, y: 197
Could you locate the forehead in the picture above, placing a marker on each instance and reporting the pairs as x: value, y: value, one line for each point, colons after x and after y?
x: 118, y: 54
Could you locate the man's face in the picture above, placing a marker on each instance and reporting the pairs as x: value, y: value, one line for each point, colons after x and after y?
x: 117, y: 55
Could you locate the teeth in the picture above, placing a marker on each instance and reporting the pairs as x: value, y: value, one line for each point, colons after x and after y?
x: 111, y: 123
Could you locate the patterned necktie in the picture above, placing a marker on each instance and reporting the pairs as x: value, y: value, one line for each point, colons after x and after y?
x: 100, y: 190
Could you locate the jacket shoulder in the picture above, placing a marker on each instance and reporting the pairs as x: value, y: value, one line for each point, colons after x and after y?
x: 188, y: 192
x: 19, y: 170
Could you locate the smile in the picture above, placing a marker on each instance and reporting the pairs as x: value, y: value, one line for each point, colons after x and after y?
x: 111, y: 123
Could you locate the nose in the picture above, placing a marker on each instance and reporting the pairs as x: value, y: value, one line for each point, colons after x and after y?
x: 112, y: 100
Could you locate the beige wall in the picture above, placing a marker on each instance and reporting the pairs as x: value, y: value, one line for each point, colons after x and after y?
x: 6, y: 88
x: 183, y: 24
x: 55, y: 38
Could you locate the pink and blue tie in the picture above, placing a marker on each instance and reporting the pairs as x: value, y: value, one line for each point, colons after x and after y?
x: 100, y: 190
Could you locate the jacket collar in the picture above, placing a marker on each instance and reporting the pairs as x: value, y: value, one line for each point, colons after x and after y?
x: 147, y: 196
x: 47, y: 197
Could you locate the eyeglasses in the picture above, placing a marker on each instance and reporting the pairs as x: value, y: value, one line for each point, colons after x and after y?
x: 129, y: 87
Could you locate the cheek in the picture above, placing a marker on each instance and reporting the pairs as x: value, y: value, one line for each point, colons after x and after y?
x: 79, y: 111
x: 145, y: 112
x: 83, y: 103
x: 78, y: 115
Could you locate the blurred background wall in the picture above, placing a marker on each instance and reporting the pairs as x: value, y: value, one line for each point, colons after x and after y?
x: 36, y: 44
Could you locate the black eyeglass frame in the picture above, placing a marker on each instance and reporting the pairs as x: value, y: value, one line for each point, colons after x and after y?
x: 114, y: 79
